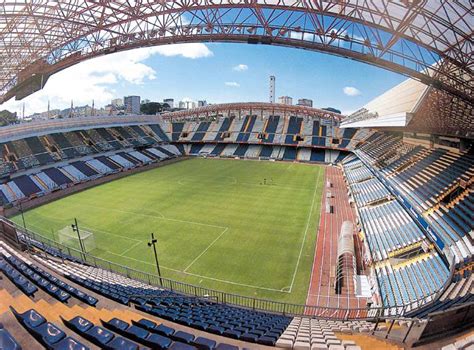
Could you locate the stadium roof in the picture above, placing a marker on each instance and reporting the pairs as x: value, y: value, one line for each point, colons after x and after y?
x: 428, y: 40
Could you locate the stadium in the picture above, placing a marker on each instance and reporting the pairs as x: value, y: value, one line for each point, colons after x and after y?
x: 241, y: 225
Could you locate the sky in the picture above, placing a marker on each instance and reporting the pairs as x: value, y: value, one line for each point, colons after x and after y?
x: 215, y: 72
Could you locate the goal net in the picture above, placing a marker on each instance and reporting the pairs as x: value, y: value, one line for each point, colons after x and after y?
x: 70, y: 239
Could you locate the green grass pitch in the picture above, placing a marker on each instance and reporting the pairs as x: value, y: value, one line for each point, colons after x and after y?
x: 217, y: 224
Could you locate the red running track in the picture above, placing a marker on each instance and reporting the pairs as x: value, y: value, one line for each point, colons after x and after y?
x: 321, y: 293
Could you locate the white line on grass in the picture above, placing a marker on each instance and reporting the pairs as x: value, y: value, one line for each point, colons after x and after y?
x: 92, y: 229
x: 235, y: 283
x: 85, y: 227
x: 143, y: 262
x: 305, y: 231
x: 201, y: 276
x: 129, y: 249
x: 120, y: 211
x: 205, y: 250
x: 194, y: 223
x: 162, y: 217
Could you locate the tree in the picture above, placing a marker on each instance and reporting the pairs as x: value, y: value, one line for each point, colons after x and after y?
x: 152, y: 108
x: 7, y: 118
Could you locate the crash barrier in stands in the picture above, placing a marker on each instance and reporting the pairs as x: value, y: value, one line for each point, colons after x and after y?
x: 34, y: 240
x: 447, y: 322
x: 422, y: 331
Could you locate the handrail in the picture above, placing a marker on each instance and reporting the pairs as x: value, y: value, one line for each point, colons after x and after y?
x: 291, y: 309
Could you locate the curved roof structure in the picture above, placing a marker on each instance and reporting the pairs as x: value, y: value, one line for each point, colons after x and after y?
x: 250, y: 108
x: 415, y: 107
x: 429, y: 40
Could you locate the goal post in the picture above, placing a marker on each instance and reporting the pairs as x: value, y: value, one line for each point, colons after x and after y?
x: 70, y: 239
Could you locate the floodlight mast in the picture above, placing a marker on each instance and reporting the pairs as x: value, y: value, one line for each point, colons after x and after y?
x: 75, y: 228
x: 153, y: 243
x: 22, y: 215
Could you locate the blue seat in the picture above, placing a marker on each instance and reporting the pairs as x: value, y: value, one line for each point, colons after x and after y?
x: 30, y: 318
x: 250, y: 337
x: 135, y: 332
x: 25, y: 286
x: 7, y: 342
x: 183, y: 337
x: 99, y: 335
x: 119, y: 343
x: 159, y: 341
x: 78, y: 324
x: 216, y: 329
x: 204, y: 343
x: 164, y: 330
x: 147, y: 324
x: 231, y: 333
x: 138, y: 333
x: 223, y: 346
x: 181, y: 346
x: 69, y: 344
x: 115, y: 324
x: 267, y: 340
x: 48, y: 334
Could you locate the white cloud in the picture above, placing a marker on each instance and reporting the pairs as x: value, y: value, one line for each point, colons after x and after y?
x: 193, y: 50
x: 95, y: 79
x: 241, y: 68
x: 232, y: 84
x: 351, y: 91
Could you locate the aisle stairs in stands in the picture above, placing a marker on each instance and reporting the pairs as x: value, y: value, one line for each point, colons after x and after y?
x: 52, y: 311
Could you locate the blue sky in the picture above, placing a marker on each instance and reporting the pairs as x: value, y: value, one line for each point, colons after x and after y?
x: 208, y: 71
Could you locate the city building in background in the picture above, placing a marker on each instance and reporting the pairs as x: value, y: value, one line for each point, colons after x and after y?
x: 202, y: 103
x: 305, y: 102
x: 117, y: 102
x: 169, y: 102
x: 187, y: 104
x: 286, y: 100
x: 132, y: 104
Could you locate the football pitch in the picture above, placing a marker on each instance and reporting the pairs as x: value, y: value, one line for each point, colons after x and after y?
x: 244, y: 227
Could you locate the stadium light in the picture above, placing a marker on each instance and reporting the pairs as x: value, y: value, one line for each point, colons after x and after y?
x: 153, y: 243
x: 22, y: 216
x: 75, y: 228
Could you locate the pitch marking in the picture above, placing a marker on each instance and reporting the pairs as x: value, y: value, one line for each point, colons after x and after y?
x: 121, y: 211
x: 110, y: 233
x: 162, y: 217
x: 129, y: 249
x: 205, y: 250
x: 305, y: 232
x: 203, y: 277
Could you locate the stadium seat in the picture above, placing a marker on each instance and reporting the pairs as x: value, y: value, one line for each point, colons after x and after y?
x: 98, y: 335
x: 7, y: 342
x: 30, y: 318
x: 69, y: 343
x: 48, y: 334
x: 204, y: 343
